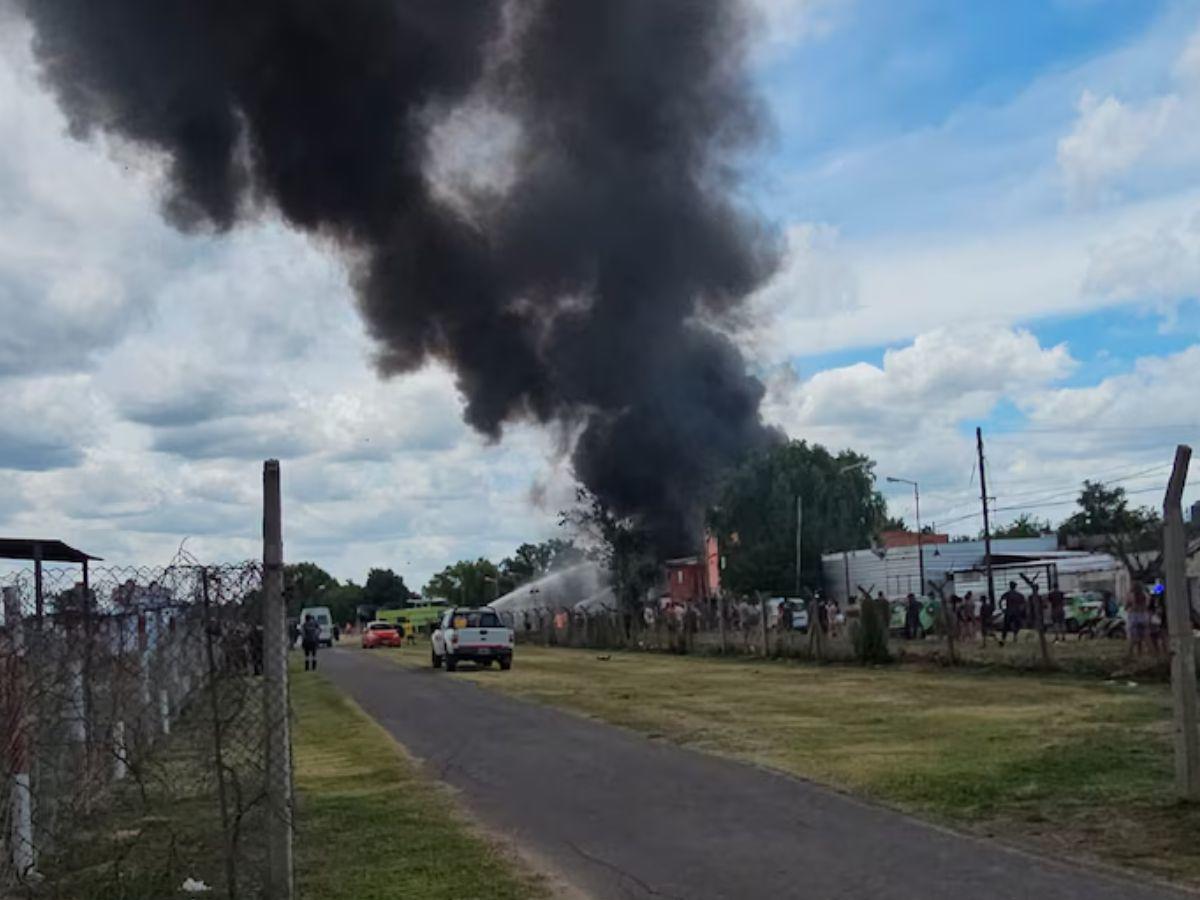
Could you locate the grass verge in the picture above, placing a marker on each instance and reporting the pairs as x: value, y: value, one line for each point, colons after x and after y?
x: 1078, y: 769
x: 370, y: 826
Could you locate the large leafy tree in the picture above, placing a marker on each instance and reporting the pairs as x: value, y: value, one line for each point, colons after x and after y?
x: 386, y: 590
x: 467, y: 583
x: 755, y: 517
x: 307, y: 584
x: 1126, y: 533
x: 530, y: 561
x: 618, y: 544
x: 1023, y: 526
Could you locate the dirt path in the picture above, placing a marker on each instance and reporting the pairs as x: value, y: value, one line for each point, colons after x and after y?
x: 622, y: 816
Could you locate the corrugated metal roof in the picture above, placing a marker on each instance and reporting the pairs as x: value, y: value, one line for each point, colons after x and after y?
x: 50, y: 551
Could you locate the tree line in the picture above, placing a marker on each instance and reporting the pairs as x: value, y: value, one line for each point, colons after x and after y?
x: 753, y: 513
x: 464, y: 583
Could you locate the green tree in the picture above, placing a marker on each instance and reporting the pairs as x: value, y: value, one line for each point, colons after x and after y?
x: 893, y: 523
x: 386, y: 590
x: 1023, y: 526
x: 755, y: 517
x: 345, y: 600
x: 306, y: 584
x: 1126, y: 533
x: 470, y: 583
x: 620, y: 545
x: 530, y: 561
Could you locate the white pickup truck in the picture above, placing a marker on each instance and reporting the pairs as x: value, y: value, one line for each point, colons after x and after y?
x: 474, y: 635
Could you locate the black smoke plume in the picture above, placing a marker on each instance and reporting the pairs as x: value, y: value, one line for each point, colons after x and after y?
x: 573, y: 294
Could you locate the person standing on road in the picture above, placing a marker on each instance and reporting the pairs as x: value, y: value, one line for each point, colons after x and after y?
x: 310, y: 636
x: 1014, y: 612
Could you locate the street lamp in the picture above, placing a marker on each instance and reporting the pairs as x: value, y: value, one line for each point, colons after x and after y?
x: 920, y: 535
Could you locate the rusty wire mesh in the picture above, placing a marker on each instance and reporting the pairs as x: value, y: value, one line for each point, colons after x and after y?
x: 133, y: 730
x: 736, y: 628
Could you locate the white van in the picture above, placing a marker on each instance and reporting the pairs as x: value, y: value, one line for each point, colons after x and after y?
x: 324, y: 620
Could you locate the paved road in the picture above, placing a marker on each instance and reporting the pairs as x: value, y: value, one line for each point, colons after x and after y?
x: 621, y: 816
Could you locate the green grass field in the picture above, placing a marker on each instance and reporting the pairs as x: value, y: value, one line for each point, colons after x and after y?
x: 370, y: 826
x: 1075, y: 768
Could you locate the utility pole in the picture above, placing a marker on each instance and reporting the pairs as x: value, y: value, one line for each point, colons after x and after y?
x: 1179, y: 631
x: 987, y: 531
x: 799, y: 522
x: 920, y: 536
x: 920, y: 541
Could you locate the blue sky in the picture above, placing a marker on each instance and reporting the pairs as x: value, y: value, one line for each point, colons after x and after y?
x: 991, y: 212
x: 977, y: 171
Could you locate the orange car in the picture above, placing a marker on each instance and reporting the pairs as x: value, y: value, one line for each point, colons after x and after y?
x: 381, y: 634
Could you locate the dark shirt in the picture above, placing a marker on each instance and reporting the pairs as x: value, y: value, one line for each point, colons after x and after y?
x: 1014, y: 601
x: 1057, y: 599
x: 311, y: 632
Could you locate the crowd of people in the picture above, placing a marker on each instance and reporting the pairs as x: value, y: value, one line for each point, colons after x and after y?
x: 980, y: 617
x: 972, y: 616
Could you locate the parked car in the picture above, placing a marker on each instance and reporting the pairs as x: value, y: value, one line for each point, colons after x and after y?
x: 473, y: 635
x: 381, y: 634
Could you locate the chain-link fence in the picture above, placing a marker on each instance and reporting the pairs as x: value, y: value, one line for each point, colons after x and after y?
x: 767, y: 628
x: 133, y: 733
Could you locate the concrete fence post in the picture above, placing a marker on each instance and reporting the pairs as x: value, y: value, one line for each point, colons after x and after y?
x: 279, y: 874
x: 762, y: 617
x: 76, y: 711
x: 19, y: 840
x: 1179, y: 630
x: 722, y: 622
x: 120, y: 751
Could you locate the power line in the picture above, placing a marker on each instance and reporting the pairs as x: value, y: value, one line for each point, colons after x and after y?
x: 1104, y: 473
x: 1099, y: 429
x: 955, y: 492
x: 1129, y: 477
x: 1046, y: 494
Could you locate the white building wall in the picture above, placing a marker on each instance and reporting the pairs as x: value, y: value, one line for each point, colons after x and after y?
x: 896, y: 571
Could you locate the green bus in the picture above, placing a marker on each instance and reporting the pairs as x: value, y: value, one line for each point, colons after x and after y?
x: 415, y: 617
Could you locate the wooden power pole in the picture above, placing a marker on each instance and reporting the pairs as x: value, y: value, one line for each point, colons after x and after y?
x: 1179, y: 628
x: 799, y: 522
x: 987, y: 531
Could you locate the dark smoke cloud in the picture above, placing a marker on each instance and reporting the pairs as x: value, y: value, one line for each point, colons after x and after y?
x: 575, y: 295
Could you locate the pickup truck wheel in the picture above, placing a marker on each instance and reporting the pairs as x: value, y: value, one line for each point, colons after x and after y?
x: 437, y: 660
x: 451, y: 663
x: 505, y: 665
